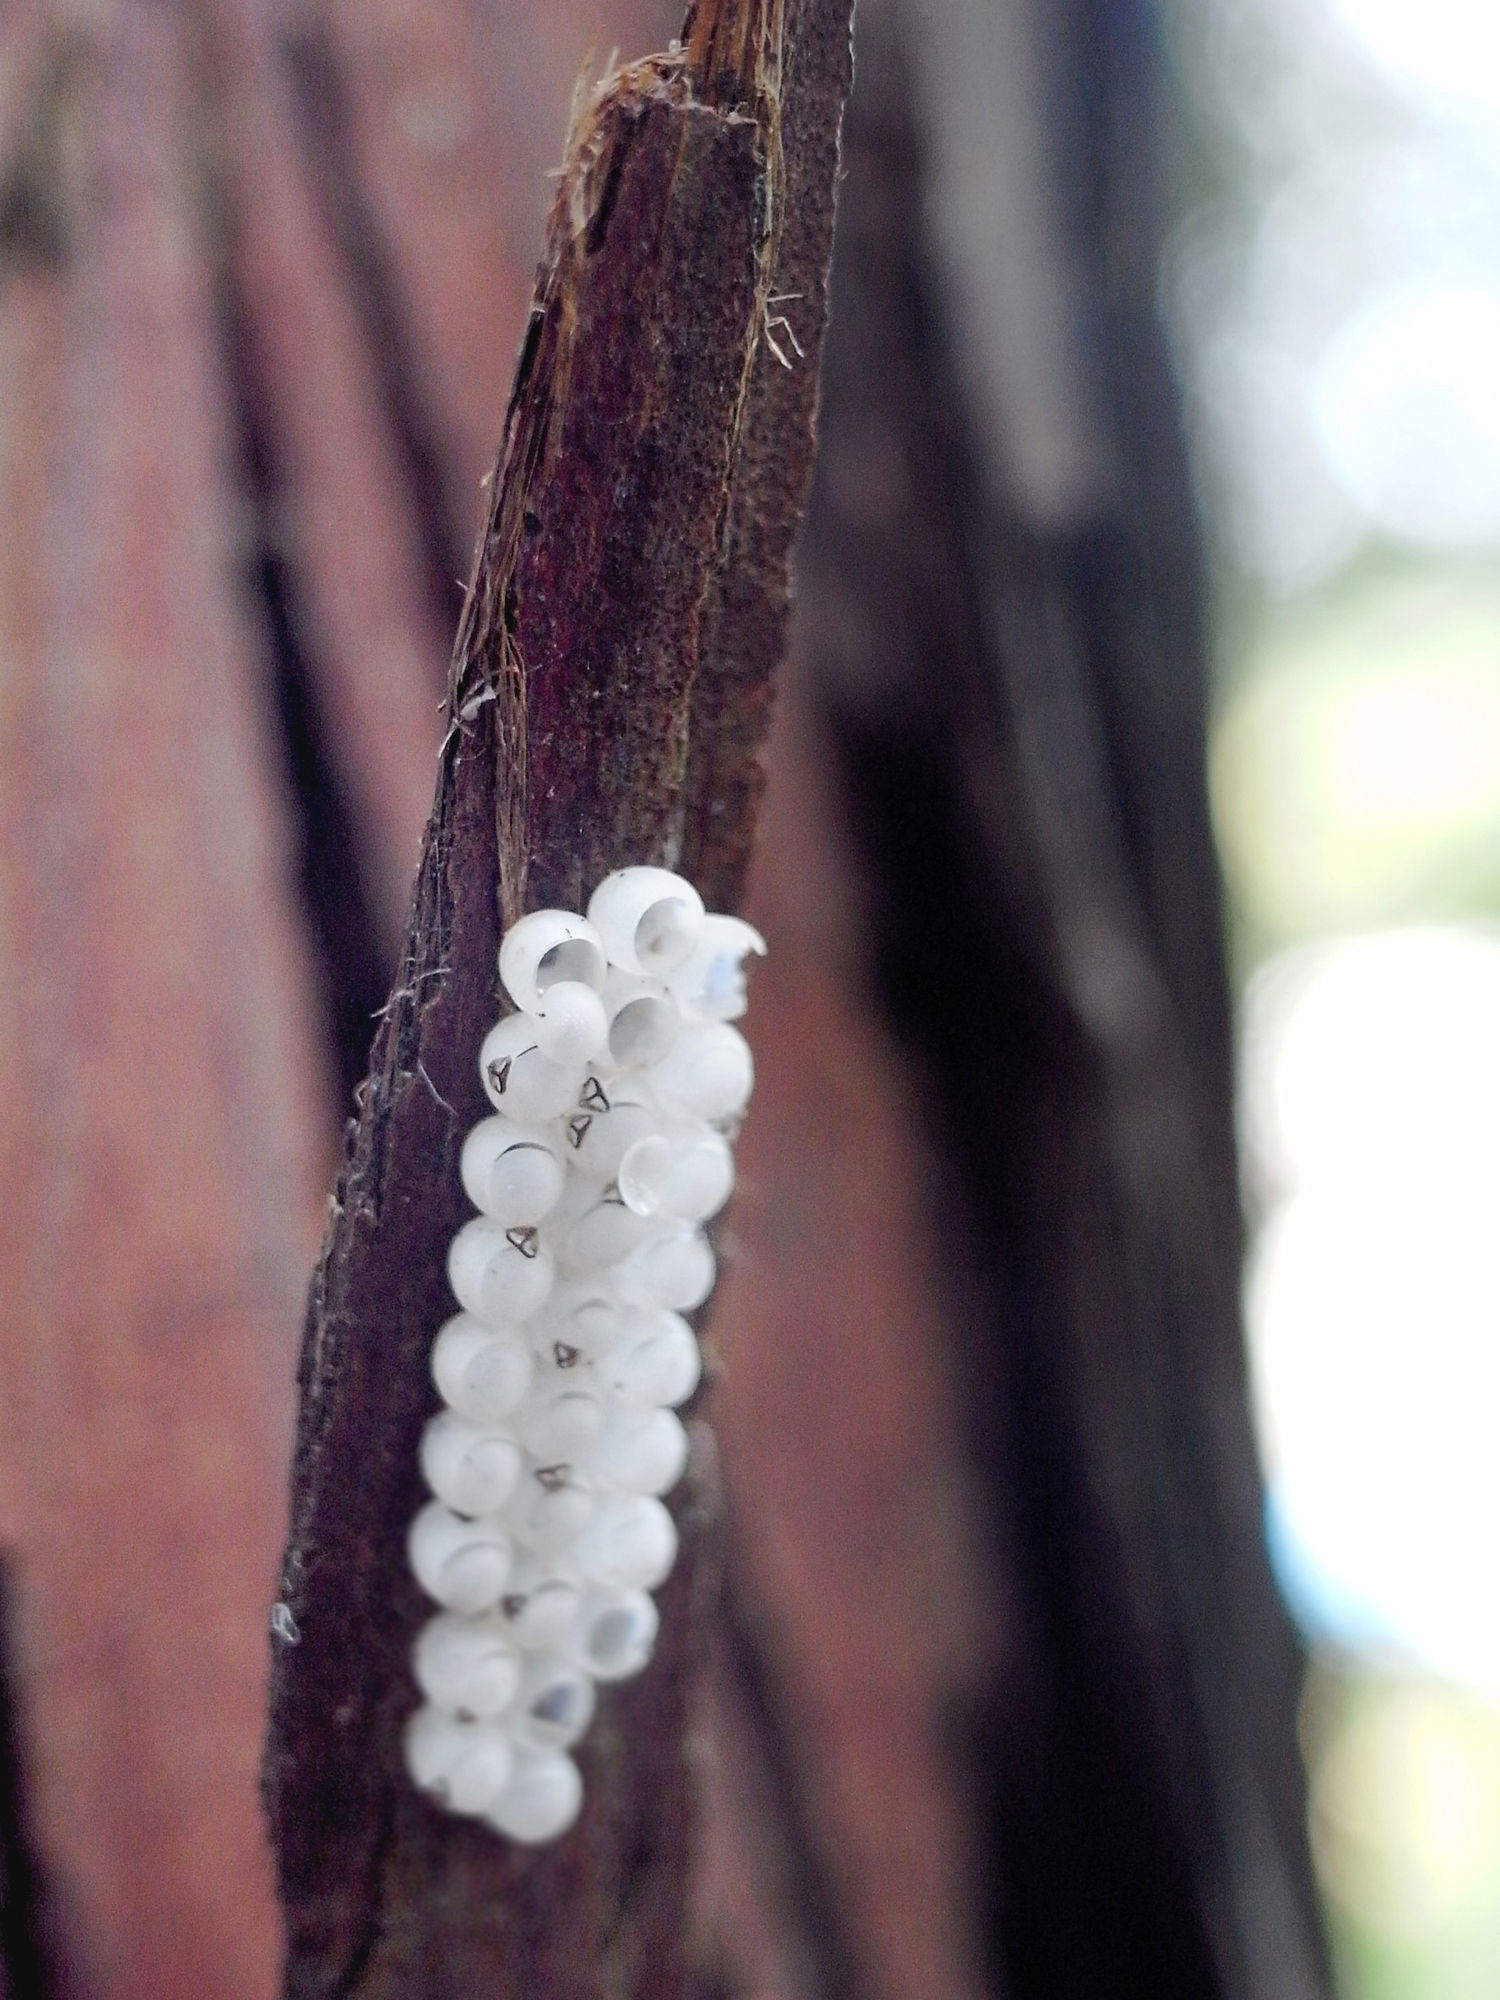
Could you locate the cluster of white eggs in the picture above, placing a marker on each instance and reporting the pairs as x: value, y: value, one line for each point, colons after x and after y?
x: 618, y: 1087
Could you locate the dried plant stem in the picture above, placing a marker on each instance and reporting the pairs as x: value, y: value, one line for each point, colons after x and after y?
x: 610, y: 690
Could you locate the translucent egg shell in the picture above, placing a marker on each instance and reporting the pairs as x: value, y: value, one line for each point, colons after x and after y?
x: 687, y: 1174
x: 642, y: 1021
x: 514, y: 1173
x: 617, y: 1635
x: 657, y: 1365
x: 629, y: 1545
x: 469, y: 1666
x: 675, y: 1269
x: 597, y: 1139
x: 641, y: 1453
x: 555, y: 1705
x: 542, y: 1799
x: 581, y: 1322
x: 470, y: 1469
x: 649, y: 919
x: 465, y: 1766
x: 560, y: 1361
x: 462, y: 1565
x: 551, y: 1509
x: 605, y: 1232
x: 710, y: 983
x: 541, y: 1604
x: 480, y: 1371
x: 598, y: 1323
x: 581, y: 1192
x: 709, y: 1073
x: 520, y: 1080
x: 500, y: 1275
x: 563, y: 1426
x: 571, y: 1023
x: 546, y: 948
x: 617, y: 1086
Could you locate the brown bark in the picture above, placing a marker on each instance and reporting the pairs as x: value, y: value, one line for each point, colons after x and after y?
x: 609, y: 692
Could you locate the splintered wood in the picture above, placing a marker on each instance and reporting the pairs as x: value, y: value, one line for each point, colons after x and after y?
x: 609, y: 696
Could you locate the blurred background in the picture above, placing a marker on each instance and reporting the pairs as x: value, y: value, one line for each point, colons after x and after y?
x: 1097, y: 1621
x: 1333, y: 271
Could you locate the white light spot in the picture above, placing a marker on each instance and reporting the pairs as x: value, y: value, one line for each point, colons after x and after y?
x: 1407, y: 402
x: 1372, y: 1125
x: 1356, y: 776
x: 1445, y: 48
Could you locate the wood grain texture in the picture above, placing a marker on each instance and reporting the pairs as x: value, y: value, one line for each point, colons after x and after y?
x: 572, y: 713
x: 160, y: 1141
x: 748, y: 603
x: 341, y: 521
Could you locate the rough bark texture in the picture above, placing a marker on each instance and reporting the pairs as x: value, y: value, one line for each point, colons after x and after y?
x: 631, y: 477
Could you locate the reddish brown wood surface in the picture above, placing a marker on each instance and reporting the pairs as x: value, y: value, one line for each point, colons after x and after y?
x: 338, y: 506
x: 569, y: 743
x: 163, y: 1107
x: 847, y: 1552
x: 855, y: 1552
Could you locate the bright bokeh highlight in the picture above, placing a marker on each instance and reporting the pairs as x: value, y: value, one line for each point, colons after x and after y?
x: 1371, y: 1084
x: 1449, y: 49
x: 1356, y: 772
